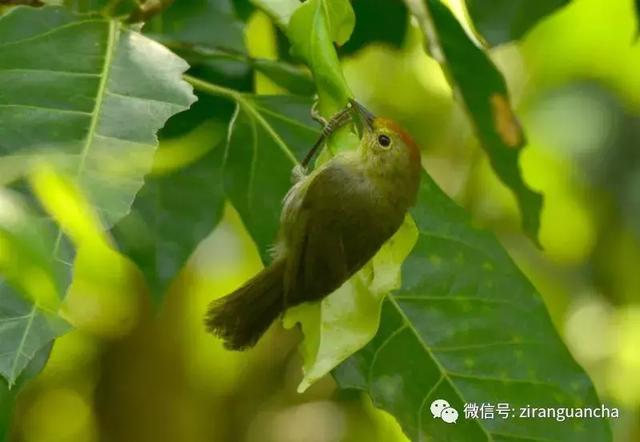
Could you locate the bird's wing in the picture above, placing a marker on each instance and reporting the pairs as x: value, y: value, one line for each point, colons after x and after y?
x: 316, y: 255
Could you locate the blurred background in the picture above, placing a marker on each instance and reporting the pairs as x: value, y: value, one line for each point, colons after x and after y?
x: 133, y: 372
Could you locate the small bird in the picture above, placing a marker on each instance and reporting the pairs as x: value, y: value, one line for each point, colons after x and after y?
x: 333, y: 221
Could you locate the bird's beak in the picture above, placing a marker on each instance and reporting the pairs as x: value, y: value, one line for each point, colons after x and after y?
x: 364, y: 117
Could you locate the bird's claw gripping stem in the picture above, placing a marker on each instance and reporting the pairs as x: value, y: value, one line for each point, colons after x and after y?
x: 329, y: 127
x: 315, y: 113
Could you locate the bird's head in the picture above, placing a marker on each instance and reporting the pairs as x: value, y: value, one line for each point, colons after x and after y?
x: 384, y: 139
x: 388, y: 148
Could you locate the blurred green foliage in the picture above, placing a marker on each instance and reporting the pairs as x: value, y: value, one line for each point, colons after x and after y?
x: 135, y: 371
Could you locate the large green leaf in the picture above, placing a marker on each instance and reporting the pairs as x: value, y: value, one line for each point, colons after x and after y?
x: 172, y: 214
x: 100, y: 103
x: 468, y: 327
x: 267, y: 137
x: 94, y: 113
x: 483, y: 92
x: 505, y: 20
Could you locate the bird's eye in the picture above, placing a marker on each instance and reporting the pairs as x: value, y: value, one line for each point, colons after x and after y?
x: 384, y: 140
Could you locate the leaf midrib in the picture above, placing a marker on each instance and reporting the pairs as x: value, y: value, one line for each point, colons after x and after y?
x: 444, y: 374
x: 112, y: 38
x: 20, y: 350
x: 250, y: 109
x: 102, y: 90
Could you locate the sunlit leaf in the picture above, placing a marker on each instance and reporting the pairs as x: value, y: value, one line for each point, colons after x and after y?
x: 268, y: 135
x: 346, y: 320
x: 505, y: 20
x: 483, y: 92
x: 84, y: 112
x: 102, y: 102
x: 312, y: 30
x: 63, y: 201
x: 467, y: 327
x: 26, y: 261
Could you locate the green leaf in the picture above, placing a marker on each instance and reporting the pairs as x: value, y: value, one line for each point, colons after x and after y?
x: 348, y: 318
x: 502, y: 21
x: 173, y: 213
x: 468, y: 327
x: 292, y: 78
x: 243, y: 8
x: 24, y: 330
x: 85, y: 92
x: 484, y: 94
x: 267, y: 136
x: 81, y: 92
x: 208, y: 22
x: 377, y: 21
x: 31, y: 286
x: 312, y: 29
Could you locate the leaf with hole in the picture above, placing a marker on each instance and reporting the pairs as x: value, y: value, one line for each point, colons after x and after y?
x: 483, y: 92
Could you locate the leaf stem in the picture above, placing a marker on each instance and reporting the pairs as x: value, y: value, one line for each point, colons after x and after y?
x: 244, y: 103
x: 212, y: 88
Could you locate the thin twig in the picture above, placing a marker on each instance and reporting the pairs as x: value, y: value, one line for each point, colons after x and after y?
x: 335, y: 123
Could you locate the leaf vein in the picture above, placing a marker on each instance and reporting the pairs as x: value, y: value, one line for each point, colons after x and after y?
x: 445, y: 374
x: 20, y: 349
x: 50, y: 31
x: 286, y: 119
x: 49, y: 109
x: 389, y: 338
